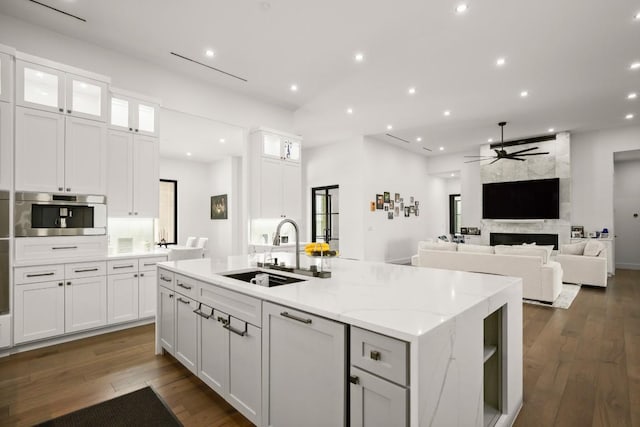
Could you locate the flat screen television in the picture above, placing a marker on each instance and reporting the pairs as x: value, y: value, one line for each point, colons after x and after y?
x: 534, y: 199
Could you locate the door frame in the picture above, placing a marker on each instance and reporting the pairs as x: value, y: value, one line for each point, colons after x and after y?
x: 326, y: 188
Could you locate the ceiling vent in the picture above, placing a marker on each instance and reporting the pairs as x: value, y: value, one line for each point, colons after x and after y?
x: 398, y: 138
x: 58, y: 10
x: 207, y: 66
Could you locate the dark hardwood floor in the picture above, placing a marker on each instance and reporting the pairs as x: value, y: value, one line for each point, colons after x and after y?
x: 581, y: 368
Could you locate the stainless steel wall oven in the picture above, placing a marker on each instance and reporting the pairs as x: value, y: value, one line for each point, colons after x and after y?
x: 44, y: 214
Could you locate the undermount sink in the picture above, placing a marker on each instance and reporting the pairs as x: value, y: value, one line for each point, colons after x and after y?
x: 274, y: 279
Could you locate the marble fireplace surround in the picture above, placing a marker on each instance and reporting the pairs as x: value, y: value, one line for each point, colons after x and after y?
x: 557, y: 164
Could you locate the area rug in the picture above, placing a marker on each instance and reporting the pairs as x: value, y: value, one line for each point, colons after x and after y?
x: 139, y: 408
x: 567, y: 295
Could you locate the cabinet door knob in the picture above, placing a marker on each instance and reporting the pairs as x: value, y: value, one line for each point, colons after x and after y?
x: 136, y: 130
x: 68, y: 188
x: 375, y: 355
x: 170, y: 295
x: 60, y: 188
x: 141, y: 274
x: 61, y: 110
x: 60, y: 284
x: 135, y: 275
x: 130, y: 213
x: 135, y: 213
x: 130, y: 129
x: 68, y: 283
x: 69, y: 111
x: 353, y: 379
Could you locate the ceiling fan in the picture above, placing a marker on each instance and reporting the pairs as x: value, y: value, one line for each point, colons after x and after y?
x: 501, y: 153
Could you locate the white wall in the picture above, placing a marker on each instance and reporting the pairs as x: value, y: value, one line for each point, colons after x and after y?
x: 626, y: 204
x: 337, y: 164
x: 592, y: 174
x: 178, y: 92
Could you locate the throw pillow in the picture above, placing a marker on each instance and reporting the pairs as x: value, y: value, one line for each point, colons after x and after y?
x: 549, y: 249
x: 441, y: 245
x: 519, y: 250
x: 573, y: 249
x: 466, y: 247
x: 593, y: 248
x: 422, y: 243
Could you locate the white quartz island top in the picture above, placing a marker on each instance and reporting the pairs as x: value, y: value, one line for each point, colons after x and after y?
x: 400, y: 301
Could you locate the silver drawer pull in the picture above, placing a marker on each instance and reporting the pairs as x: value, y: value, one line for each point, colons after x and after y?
x: 165, y: 279
x: 51, y: 273
x: 55, y: 248
x: 201, y: 314
x: 236, y: 331
x: 375, y: 355
x: 183, y: 301
x: 149, y: 264
x: 299, y: 319
x: 184, y: 286
x: 115, y: 267
x: 85, y: 270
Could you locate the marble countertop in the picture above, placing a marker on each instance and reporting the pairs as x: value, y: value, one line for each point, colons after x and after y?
x: 401, y: 301
x: 110, y: 256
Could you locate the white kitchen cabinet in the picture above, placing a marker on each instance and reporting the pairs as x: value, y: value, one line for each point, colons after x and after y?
x: 167, y: 319
x: 244, y: 368
x: 6, y: 76
x: 375, y: 402
x: 133, y: 175
x: 275, y: 175
x: 186, y: 333
x: 6, y: 145
x: 85, y: 303
x: 38, y: 311
x: 56, y: 154
x: 50, y: 89
x: 147, y: 290
x: 57, y: 248
x: 213, y: 349
x: 5, y: 330
x: 132, y: 114
x: 122, y: 291
x: 304, y: 369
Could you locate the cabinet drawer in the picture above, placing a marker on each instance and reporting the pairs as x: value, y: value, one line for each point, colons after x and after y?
x: 85, y: 269
x: 186, y: 286
x: 49, y: 249
x: 380, y: 355
x: 166, y: 278
x: 149, y: 264
x: 241, y: 306
x: 41, y: 273
x: 122, y: 266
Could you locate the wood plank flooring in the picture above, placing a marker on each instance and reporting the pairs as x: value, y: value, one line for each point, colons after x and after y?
x: 581, y: 368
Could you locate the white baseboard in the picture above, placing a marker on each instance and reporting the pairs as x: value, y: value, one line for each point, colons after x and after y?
x: 625, y: 266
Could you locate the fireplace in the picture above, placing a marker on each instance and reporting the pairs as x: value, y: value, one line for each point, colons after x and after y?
x: 520, y: 238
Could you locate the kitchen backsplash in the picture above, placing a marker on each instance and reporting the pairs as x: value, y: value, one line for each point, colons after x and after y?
x: 130, y: 235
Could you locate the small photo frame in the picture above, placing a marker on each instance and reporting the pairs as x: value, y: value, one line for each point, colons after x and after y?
x: 391, y: 204
x: 412, y: 209
x: 387, y: 197
x: 417, y: 212
x: 397, y: 198
x: 372, y: 206
x: 474, y: 231
x: 416, y: 204
x: 576, y: 235
x: 390, y: 215
x: 401, y: 205
x: 578, y: 229
x: 379, y: 201
x: 464, y: 230
x: 411, y: 199
x: 406, y: 211
x: 396, y: 211
x: 386, y: 206
x: 219, y: 207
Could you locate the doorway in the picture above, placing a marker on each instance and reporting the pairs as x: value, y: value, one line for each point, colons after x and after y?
x: 325, y: 219
x: 626, y: 209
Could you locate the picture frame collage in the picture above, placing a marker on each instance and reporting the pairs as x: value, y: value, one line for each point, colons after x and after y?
x: 395, y: 207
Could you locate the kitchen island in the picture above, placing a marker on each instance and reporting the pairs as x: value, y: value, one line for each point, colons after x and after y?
x: 383, y: 345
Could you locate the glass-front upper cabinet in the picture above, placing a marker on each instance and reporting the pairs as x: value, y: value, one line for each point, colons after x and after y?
x: 280, y: 147
x: 5, y: 77
x: 133, y: 115
x: 49, y: 89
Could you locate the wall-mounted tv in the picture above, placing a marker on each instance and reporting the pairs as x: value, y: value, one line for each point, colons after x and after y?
x: 534, y: 199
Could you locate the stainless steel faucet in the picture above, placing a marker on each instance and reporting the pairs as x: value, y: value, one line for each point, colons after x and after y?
x: 276, y: 238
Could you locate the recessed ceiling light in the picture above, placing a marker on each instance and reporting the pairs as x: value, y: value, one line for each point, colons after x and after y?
x: 453, y: 174
x: 500, y: 62
x: 359, y: 57
x: 634, y: 66
x: 419, y: 139
x: 209, y: 53
x: 490, y: 140
x: 551, y: 130
x: 637, y: 16
x: 294, y: 88
x: 389, y: 127
x: 447, y: 113
x: 188, y: 153
x: 222, y: 141
x: 524, y: 94
x: 349, y: 110
x: 632, y: 95
x: 629, y: 116
x: 412, y: 90
x: 461, y: 8
x: 441, y: 148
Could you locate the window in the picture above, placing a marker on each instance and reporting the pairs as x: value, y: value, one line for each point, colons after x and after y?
x: 455, y: 213
x: 167, y: 225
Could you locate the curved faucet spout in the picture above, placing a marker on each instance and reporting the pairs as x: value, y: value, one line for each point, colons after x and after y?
x: 276, y: 238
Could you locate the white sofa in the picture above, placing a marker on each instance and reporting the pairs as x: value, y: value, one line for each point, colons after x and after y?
x: 589, y: 269
x: 540, y: 281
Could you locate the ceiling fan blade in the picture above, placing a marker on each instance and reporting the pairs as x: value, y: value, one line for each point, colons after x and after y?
x: 532, y: 154
x: 515, y: 158
x: 523, y: 151
x: 495, y: 161
x: 477, y: 160
x: 486, y: 157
